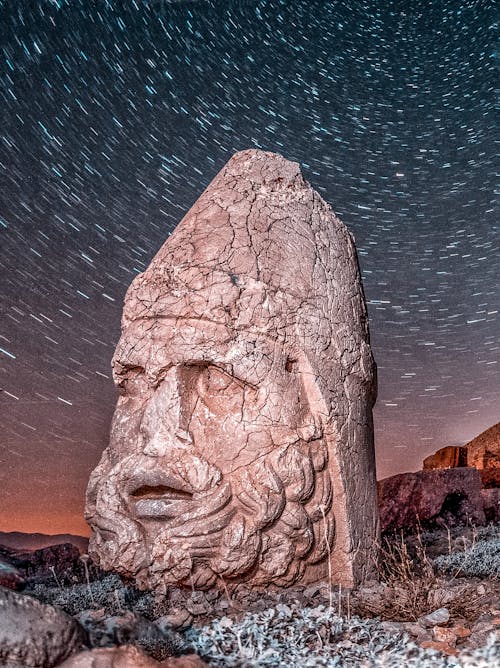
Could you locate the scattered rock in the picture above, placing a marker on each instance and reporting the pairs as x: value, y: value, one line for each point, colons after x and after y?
x: 393, y: 627
x: 461, y: 632
x: 416, y: 631
x: 374, y: 597
x: 438, y: 617
x: 482, y: 631
x: 312, y: 590
x: 178, y: 618
x: 439, y: 597
x: 445, y: 634
x: 160, y: 641
x: 91, y: 616
x: 198, y: 604
x: 34, y: 634
x: 440, y: 647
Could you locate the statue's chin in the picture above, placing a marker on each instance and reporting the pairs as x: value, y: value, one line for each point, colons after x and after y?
x: 155, y: 569
x: 158, y: 547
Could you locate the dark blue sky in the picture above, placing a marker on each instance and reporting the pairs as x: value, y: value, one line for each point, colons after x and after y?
x: 116, y: 115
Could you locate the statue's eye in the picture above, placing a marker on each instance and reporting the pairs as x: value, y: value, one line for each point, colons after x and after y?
x: 129, y: 379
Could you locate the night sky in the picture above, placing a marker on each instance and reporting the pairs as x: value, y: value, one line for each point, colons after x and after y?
x: 116, y: 115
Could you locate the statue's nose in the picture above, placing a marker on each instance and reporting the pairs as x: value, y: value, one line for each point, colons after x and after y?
x: 164, y: 421
x: 161, y: 441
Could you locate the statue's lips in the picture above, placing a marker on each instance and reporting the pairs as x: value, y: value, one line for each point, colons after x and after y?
x: 158, y: 495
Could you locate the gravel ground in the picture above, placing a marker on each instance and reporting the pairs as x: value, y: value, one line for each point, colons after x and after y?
x: 437, y: 604
x: 287, y: 636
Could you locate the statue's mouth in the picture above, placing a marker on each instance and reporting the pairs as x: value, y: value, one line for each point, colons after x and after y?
x: 157, y: 495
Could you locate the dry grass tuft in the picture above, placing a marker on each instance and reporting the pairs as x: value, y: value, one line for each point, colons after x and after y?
x: 411, y: 586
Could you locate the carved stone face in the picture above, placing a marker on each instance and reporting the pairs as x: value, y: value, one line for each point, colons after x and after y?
x: 247, y: 384
x: 212, y: 442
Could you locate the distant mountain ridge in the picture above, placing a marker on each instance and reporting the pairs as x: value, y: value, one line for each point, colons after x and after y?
x: 20, y: 541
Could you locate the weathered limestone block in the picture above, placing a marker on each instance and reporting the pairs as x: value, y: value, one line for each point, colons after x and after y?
x: 242, y: 443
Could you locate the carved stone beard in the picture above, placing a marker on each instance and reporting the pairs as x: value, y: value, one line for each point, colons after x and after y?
x: 277, y: 524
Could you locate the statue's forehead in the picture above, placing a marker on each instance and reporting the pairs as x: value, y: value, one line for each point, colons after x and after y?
x: 155, y: 343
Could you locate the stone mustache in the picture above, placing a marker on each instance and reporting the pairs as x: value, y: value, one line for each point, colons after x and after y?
x: 241, y: 447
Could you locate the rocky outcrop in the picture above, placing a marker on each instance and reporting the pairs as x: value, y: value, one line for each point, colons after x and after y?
x: 447, y: 458
x: 50, y: 562
x: 483, y: 452
x: 431, y: 498
x: 241, y: 447
x: 33, y: 634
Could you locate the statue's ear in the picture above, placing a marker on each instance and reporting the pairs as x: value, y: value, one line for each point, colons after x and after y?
x: 311, y: 428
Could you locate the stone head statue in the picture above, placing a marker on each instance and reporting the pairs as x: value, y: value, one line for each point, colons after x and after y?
x: 241, y: 447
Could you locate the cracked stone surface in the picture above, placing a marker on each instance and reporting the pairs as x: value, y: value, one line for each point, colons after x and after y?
x: 241, y: 447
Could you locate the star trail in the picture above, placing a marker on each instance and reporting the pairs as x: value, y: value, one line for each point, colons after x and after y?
x: 116, y: 115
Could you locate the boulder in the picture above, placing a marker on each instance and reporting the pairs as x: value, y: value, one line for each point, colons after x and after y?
x: 440, y: 497
x: 128, y: 656
x: 34, y: 634
x: 241, y: 447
